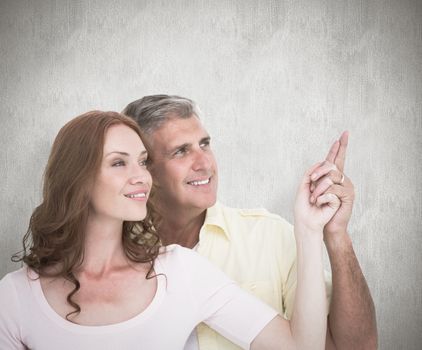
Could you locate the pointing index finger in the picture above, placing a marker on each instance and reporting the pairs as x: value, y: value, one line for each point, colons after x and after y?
x: 332, y: 153
x: 341, y: 155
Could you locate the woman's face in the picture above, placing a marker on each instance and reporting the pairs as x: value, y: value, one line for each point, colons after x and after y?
x: 122, y: 183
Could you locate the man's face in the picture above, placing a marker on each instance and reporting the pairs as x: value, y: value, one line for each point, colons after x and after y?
x: 182, y: 165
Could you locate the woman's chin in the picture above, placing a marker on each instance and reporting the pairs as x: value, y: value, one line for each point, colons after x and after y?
x: 135, y: 217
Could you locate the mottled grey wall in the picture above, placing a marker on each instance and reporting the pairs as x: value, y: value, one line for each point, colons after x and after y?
x: 277, y: 82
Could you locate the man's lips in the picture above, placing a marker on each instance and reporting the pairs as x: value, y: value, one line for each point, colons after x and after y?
x: 200, y: 182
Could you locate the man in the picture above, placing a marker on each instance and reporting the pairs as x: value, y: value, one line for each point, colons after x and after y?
x: 255, y: 248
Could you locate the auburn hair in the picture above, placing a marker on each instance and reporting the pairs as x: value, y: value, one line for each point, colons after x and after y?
x: 53, y: 245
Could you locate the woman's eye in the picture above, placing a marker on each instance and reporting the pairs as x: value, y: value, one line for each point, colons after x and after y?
x: 143, y: 162
x: 118, y: 163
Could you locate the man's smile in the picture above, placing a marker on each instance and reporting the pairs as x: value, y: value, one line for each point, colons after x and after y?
x: 199, y: 182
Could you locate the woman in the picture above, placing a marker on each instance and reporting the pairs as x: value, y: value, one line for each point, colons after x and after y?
x: 96, y: 278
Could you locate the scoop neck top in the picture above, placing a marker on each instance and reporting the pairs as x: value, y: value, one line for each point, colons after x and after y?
x: 48, y: 310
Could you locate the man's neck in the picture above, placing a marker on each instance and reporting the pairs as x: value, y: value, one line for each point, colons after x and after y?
x: 181, y: 229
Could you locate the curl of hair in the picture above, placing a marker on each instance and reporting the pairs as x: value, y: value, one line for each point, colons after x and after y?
x: 53, y: 245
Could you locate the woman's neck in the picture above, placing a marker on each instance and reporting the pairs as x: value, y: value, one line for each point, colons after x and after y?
x: 103, y: 251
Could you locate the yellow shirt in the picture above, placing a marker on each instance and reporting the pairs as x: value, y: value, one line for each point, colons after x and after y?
x: 255, y: 248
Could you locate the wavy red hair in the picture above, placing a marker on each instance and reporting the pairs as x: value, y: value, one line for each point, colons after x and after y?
x: 54, y: 242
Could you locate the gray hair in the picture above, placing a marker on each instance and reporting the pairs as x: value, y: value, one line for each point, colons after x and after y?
x: 151, y: 112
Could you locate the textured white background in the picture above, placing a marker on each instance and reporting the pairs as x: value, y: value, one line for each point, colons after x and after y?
x: 277, y: 82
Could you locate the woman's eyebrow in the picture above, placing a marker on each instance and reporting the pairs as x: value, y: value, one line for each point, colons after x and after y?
x: 118, y: 152
x: 125, y: 153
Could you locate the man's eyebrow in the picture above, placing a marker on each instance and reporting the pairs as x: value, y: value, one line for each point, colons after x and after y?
x: 175, y: 148
x: 186, y: 145
x: 124, y: 153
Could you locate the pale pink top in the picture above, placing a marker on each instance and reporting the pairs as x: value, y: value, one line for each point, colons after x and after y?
x: 189, y: 290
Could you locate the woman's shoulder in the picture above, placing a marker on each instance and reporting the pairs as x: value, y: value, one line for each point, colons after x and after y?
x: 175, y: 252
x: 13, y: 281
x: 19, y: 274
x: 188, y: 262
x: 172, y: 255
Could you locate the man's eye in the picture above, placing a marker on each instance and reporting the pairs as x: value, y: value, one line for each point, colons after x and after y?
x: 118, y: 163
x: 205, y: 144
x: 180, y: 151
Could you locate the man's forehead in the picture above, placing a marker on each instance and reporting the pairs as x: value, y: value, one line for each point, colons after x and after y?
x: 177, y: 131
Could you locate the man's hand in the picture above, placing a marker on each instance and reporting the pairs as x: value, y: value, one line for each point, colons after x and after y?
x: 329, y: 178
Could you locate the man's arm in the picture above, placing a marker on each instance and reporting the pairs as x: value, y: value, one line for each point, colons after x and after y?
x: 351, y: 321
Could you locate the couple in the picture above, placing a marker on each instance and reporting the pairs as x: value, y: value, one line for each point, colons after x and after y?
x: 105, y: 283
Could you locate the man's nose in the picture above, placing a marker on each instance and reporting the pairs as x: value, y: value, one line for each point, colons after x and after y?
x: 201, y: 160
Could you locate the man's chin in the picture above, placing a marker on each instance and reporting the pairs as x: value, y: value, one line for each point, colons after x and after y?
x: 204, y: 204
x: 212, y: 202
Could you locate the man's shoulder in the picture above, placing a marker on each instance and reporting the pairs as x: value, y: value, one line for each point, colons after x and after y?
x: 252, y: 214
x: 250, y: 224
